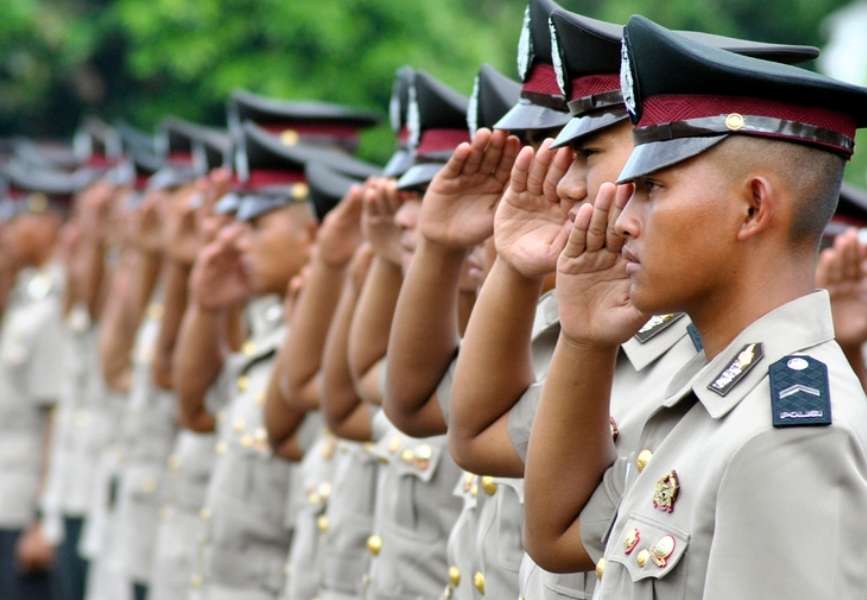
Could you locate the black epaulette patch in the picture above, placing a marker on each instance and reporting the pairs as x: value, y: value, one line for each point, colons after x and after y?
x: 749, y: 356
x: 695, y: 336
x: 800, y: 395
x: 656, y: 325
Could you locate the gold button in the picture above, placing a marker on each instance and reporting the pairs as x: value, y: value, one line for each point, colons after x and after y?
x: 300, y: 191
x: 247, y: 440
x: 407, y: 456
x: 489, y: 485
x: 469, y: 480
x: 424, y: 452
x: 196, y: 580
x: 324, y: 489
x: 642, y: 557
x: 239, y: 424
x: 289, y: 137
x: 735, y: 122
x: 249, y: 348
x: 205, y: 513
x: 243, y: 383
x: 322, y: 523
x: 643, y: 459
x: 600, y: 568
x: 220, y: 448
x: 454, y: 576
x: 394, y: 444
x: 314, y: 498
x: 374, y: 545
x: 260, y: 434
x: 474, y: 490
x: 479, y: 582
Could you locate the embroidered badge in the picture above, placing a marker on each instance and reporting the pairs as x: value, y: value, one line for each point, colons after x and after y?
x: 662, y: 551
x: 525, y: 47
x: 695, y: 336
x: 473, y: 109
x: 667, y: 491
x: 627, y: 83
x: 656, y: 325
x: 749, y: 356
x: 631, y: 541
x: 799, y: 392
x: 557, y: 58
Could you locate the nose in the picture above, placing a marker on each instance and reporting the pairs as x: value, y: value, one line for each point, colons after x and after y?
x: 572, y: 187
x: 406, y: 216
x: 627, y: 224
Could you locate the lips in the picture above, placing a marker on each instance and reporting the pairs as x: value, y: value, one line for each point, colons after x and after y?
x: 632, y: 262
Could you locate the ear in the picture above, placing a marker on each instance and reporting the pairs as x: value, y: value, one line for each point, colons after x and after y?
x: 758, y: 205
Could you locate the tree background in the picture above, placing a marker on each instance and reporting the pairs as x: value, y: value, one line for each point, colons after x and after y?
x: 143, y: 59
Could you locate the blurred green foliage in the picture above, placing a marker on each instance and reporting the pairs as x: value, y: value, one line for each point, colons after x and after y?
x: 143, y: 59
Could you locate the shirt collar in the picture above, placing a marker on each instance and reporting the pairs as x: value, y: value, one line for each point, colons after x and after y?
x: 642, y: 354
x: 795, y: 326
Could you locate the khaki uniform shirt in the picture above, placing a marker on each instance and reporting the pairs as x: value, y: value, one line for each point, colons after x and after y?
x: 149, y: 429
x: 346, y: 558
x: 724, y: 504
x: 30, y: 358
x: 647, y: 362
x: 415, y: 511
x: 308, y: 503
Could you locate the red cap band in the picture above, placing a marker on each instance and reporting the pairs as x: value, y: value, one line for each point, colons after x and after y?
x: 658, y: 110
x: 591, y: 85
x: 332, y: 130
x: 181, y: 157
x: 266, y: 177
x: 542, y: 80
x: 441, y: 140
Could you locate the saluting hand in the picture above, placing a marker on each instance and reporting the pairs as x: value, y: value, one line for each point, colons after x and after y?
x: 182, y: 236
x: 219, y: 279
x: 459, y: 205
x: 592, y: 282
x: 381, y: 203
x: 842, y: 270
x: 146, y: 224
x: 340, y: 234
x: 529, y: 225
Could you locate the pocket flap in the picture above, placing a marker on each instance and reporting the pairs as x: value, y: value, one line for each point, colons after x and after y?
x: 648, y: 548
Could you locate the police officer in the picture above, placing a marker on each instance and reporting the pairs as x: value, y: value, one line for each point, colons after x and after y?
x: 760, y: 423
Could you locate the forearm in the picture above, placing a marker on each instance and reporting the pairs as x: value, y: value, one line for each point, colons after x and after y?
x: 93, y: 275
x: 495, y: 363
x: 344, y: 412
x: 282, y: 423
x: 116, y: 338
x: 196, y: 364
x: 424, y: 338
x: 302, y: 359
x: 175, y: 291
x: 371, y: 323
x: 146, y: 273
x: 571, y: 434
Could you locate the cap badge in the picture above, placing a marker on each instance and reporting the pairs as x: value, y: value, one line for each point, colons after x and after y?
x: 525, y: 47
x: 627, y: 84
x: 667, y: 491
x: 289, y: 137
x: 557, y: 58
x: 473, y: 108
x: 413, y: 118
x: 749, y: 356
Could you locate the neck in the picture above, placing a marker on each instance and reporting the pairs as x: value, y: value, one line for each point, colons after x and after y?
x: 723, y: 314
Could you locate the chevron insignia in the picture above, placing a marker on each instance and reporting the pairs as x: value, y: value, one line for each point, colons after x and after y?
x: 799, y: 392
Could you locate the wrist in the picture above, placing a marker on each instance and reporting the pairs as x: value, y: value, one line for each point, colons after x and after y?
x: 515, y: 277
x: 440, y: 251
x: 588, y: 346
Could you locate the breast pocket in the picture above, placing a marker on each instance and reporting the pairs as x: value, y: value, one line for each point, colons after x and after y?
x: 650, y: 555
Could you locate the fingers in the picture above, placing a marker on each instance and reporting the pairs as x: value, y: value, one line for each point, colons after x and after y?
x: 539, y: 168
x: 851, y: 256
x: 455, y: 166
x: 834, y: 272
x: 493, y: 153
x: 823, y: 269
x: 576, y: 245
x: 559, y: 165
x: 598, y: 229
x: 477, y: 151
x: 614, y: 240
x: 521, y: 170
x: 507, y: 159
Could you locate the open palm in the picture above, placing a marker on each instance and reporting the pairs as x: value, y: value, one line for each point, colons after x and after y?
x: 842, y: 271
x: 458, y: 207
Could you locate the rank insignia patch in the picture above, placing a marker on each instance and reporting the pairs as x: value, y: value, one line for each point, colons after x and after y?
x: 749, y: 356
x: 667, y: 491
x: 656, y: 325
x: 799, y: 392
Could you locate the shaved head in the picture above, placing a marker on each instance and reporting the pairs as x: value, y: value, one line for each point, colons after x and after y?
x: 812, y: 176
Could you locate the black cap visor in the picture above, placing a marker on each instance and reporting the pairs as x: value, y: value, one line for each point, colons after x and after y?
x: 655, y: 156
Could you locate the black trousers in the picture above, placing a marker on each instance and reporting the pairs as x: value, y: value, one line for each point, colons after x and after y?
x: 16, y: 584
x: 71, y: 567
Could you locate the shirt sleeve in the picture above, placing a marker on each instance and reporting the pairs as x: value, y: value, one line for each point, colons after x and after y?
x: 601, y: 509
x: 444, y: 389
x: 520, y: 419
x: 46, y: 359
x: 790, y: 519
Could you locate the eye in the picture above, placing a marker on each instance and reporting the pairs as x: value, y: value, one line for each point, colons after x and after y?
x: 587, y: 152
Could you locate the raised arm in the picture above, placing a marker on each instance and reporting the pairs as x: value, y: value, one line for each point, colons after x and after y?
x: 371, y: 324
x: 457, y: 215
x: 842, y: 270
x: 571, y: 431
x: 217, y: 286
x: 345, y: 412
x: 494, y: 366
